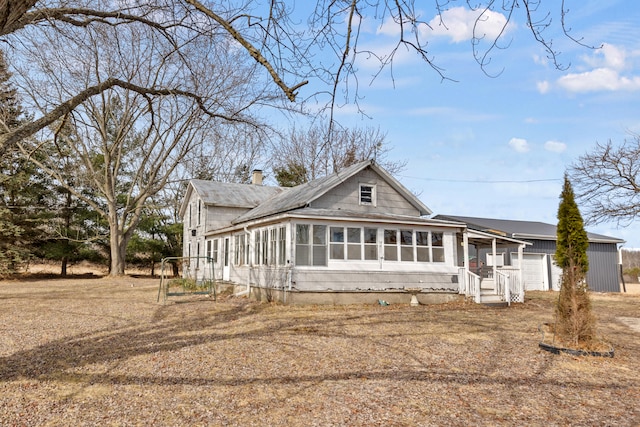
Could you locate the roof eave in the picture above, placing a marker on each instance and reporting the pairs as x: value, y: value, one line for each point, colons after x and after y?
x: 185, y: 201
x: 397, y: 185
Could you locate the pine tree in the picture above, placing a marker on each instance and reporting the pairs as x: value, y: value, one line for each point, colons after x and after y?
x: 15, y: 177
x: 575, y: 323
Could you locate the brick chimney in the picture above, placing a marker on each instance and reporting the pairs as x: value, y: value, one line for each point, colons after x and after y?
x: 256, y: 178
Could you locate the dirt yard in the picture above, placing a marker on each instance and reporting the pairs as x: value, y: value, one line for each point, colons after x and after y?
x: 98, y: 351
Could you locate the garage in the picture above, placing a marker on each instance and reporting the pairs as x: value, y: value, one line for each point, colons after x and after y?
x: 534, y: 271
x: 540, y: 273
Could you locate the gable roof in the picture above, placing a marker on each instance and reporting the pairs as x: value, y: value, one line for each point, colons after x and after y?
x: 229, y: 194
x: 520, y: 229
x: 302, y: 195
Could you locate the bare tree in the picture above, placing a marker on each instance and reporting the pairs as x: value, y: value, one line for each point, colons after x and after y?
x: 271, y: 33
x: 303, y: 155
x: 127, y: 143
x: 606, y: 182
x: 231, y: 153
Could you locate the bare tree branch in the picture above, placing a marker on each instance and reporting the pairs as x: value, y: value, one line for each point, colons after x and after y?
x: 607, y: 182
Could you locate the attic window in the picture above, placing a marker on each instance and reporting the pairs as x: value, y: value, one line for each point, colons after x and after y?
x: 367, y: 194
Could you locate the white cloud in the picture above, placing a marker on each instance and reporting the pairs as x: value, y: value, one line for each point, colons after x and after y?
x: 607, y: 65
x: 389, y: 27
x: 555, y: 146
x: 519, y: 144
x: 543, y: 87
x: 608, y: 56
x: 600, y: 79
x: 460, y: 24
x: 540, y: 60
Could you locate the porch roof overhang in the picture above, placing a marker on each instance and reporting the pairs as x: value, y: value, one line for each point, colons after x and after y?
x: 341, y: 216
x: 484, y: 239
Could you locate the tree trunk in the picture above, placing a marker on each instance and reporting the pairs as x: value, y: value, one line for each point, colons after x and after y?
x: 63, y: 266
x: 118, y: 249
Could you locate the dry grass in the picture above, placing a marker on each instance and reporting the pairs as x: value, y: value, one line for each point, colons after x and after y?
x: 103, y: 352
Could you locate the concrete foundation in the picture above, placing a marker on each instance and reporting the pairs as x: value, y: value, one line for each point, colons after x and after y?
x: 344, y: 297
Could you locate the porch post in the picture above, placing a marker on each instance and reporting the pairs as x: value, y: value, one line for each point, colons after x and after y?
x: 494, y: 249
x: 465, y: 252
x: 520, y: 282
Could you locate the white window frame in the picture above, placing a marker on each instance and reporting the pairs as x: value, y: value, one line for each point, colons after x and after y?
x: 372, y: 196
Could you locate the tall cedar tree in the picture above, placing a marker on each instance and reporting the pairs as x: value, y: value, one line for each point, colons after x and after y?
x: 575, y: 323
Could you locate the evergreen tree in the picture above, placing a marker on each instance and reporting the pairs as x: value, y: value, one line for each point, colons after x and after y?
x: 155, y: 238
x: 75, y: 227
x: 22, y: 188
x: 290, y: 175
x: 575, y: 323
x: 572, y: 238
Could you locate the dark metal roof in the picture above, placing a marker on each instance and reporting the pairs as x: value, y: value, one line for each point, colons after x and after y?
x: 520, y: 229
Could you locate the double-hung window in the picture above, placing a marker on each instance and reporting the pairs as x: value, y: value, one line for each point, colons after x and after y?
x: 391, y: 245
x: 311, y: 244
x: 336, y: 242
x: 437, y: 247
x: 422, y: 246
x: 406, y: 245
x: 265, y: 247
x: 370, y: 243
x: 273, y: 246
x: 256, y: 247
x: 208, y: 251
x: 282, y: 245
x: 215, y: 250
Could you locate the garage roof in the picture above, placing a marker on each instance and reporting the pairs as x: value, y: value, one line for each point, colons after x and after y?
x: 520, y: 229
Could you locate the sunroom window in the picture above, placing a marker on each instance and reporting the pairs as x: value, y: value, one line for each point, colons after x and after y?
x: 391, y: 245
x: 422, y: 246
x: 354, y: 248
x: 336, y: 242
x: 437, y: 247
x: 370, y: 243
x: 311, y: 244
x: 406, y: 245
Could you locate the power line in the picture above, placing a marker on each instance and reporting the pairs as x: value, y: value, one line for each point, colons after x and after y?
x: 481, y: 181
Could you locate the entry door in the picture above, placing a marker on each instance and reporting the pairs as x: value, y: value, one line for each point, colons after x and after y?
x: 225, y: 264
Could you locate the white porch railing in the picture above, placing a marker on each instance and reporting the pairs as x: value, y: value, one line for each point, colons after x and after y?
x: 469, y: 284
x: 507, y: 285
x: 503, y: 286
x: 513, y: 288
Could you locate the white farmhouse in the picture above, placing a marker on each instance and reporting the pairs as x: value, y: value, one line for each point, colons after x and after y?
x: 354, y: 236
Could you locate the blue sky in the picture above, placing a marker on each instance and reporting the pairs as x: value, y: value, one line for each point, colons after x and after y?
x: 498, y: 147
